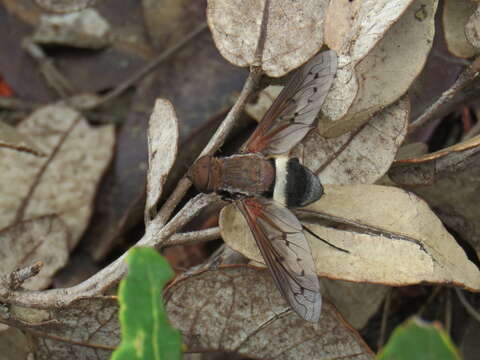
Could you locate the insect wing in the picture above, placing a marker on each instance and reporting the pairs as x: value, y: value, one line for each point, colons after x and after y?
x: 286, y: 251
x: 293, y: 112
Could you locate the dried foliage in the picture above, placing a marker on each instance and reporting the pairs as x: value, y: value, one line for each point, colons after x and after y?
x: 86, y: 177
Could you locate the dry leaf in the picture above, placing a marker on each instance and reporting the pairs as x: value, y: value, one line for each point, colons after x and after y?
x: 456, y: 14
x: 382, y: 47
x: 14, y: 344
x: 11, y: 138
x: 83, y: 330
x: 238, y: 309
x: 162, y: 151
x: 64, y: 6
x: 392, y: 237
x: 86, y: 29
x: 43, y: 239
x: 472, y: 29
x: 63, y: 182
x: 361, y: 156
x: 448, y: 181
x: 357, y: 302
x: 235, y: 26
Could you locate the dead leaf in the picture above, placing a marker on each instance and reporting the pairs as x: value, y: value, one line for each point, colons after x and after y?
x: 392, y: 237
x: 472, y: 29
x: 85, y: 329
x: 235, y: 27
x: 361, y: 156
x: 448, y: 181
x: 42, y: 239
x: 382, y: 47
x: 64, y: 6
x: 14, y: 344
x: 456, y: 14
x: 162, y: 151
x: 85, y: 29
x: 238, y: 309
x: 63, y: 182
x: 357, y: 302
x: 11, y: 138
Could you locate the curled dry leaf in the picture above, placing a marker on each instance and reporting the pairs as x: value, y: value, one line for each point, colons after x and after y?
x: 472, y: 29
x: 382, y: 47
x: 11, y: 138
x: 391, y: 235
x: 86, y: 29
x: 64, y: 181
x: 162, y: 151
x: 455, y: 16
x: 64, y: 6
x: 361, y: 156
x: 85, y: 329
x: 238, y: 309
x: 236, y: 25
x: 448, y: 181
x: 42, y: 239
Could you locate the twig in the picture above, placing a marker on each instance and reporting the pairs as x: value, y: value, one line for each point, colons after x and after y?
x: 465, y: 79
x: 385, y: 315
x: 18, y: 277
x: 194, y: 237
x: 54, y: 77
x: 470, y: 309
x: 148, y: 68
x: 155, y: 236
x: 215, y: 142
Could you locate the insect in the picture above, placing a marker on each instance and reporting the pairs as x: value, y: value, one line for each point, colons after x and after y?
x: 263, y: 183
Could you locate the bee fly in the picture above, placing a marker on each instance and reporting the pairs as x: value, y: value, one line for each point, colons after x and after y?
x: 262, y: 183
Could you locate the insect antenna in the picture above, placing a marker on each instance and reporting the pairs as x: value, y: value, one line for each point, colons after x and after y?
x: 325, y: 241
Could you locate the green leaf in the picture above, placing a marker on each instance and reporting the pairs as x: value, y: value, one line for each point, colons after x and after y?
x: 146, y: 332
x: 418, y: 340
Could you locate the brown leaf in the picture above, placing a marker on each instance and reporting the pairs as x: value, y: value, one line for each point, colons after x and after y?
x: 162, y: 151
x: 238, y: 309
x: 392, y: 237
x: 382, y: 49
x: 42, y: 239
x: 14, y: 344
x: 236, y: 28
x: 63, y: 182
x: 85, y: 329
x: 454, y: 18
x: 448, y: 181
x: 11, y: 138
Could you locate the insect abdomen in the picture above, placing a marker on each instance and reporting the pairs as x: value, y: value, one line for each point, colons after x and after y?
x: 295, y: 185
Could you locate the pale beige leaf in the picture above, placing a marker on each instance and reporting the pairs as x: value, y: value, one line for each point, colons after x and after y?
x: 392, y: 237
x: 448, y: 181
x: 65, y: 180
x: 456, y: 14
x: 235, y: 26
x: 239, y: 309
x: 357, y: 302
x: 11, y: 138
x: 162, y: 151
x: 43, y: 239
x: 472, y: 29
x: 361, y: 156
x: 383, y: 52
x: 85, y: 29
